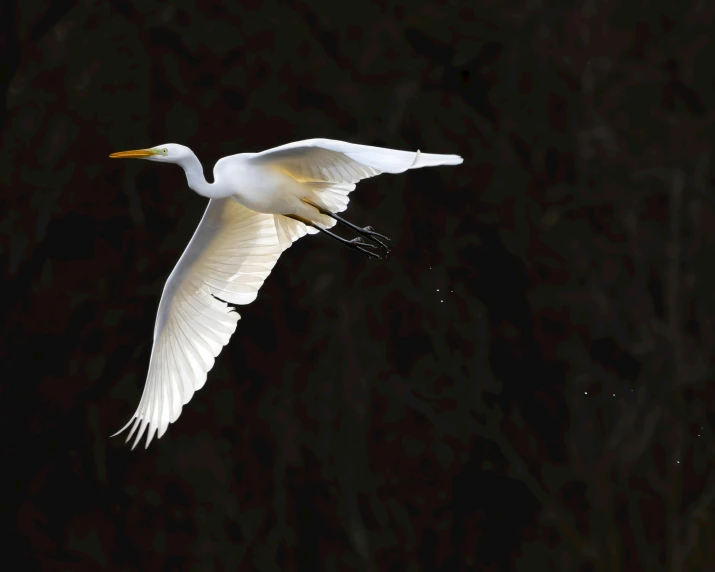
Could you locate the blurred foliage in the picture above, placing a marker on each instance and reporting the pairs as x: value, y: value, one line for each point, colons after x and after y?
x: 522, y: 385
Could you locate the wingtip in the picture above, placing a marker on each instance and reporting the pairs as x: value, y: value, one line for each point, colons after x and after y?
x: 134, y: 422
x: 150, y: 436
x: 123, y: 428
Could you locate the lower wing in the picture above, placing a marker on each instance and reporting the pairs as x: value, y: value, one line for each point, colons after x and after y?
x: 229, y: 257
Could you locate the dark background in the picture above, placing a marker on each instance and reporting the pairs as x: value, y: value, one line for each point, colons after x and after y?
x: 524, y: 384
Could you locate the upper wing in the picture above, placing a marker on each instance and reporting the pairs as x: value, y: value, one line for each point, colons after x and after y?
x: 328, y: 160
x: 335, y: 166
x: 230, y: 255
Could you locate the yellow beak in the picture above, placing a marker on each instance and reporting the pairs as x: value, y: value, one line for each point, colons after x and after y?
x: 138, y: 154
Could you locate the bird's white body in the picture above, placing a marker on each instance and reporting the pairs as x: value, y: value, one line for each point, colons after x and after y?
x: 263, y: 189
x: 260, y: 204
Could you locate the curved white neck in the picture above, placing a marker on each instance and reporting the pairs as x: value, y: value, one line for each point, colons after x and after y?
x: 195, y: 177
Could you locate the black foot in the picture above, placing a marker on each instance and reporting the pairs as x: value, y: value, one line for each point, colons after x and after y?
x: 370, y: 234
x: 359, y: 244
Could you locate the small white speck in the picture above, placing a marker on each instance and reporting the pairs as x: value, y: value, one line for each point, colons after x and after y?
x: 677, y: 462
x: 441, y: 300
x: 585, y: 392
x: 437, y: 289
x: 614, y: 395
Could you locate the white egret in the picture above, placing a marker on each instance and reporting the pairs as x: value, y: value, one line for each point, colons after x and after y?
x: 260, y: 204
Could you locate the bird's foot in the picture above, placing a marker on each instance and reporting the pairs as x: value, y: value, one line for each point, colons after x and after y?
x: 359, y: 244
x: 370, y: 234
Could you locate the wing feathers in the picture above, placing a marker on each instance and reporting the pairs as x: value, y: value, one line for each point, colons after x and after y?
x: 229, y: 257
x: 352, y: 160
x: 332, y: 166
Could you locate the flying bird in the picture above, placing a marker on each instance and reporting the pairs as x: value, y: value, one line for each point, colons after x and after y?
x: 260, y: 203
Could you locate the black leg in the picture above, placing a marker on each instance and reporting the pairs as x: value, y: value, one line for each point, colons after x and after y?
x: 367, y: 232
x: 355, y: 243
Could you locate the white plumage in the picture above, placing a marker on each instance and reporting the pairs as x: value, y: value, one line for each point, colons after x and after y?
x: 244, y: 230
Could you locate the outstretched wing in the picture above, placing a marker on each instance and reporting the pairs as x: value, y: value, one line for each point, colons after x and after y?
x: 335, y: 166
x: 230, y: 255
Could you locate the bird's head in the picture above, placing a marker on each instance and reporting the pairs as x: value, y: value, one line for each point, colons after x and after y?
x: 166, y: 153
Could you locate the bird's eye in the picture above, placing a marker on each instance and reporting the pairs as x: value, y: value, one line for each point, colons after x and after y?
x: 165, y: 150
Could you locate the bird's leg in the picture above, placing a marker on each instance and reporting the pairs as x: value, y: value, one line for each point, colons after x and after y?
x: 355, y: 243
x: 368, y: 232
